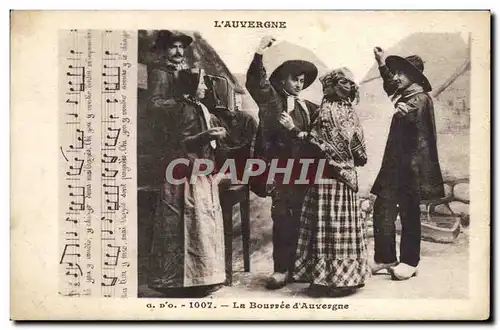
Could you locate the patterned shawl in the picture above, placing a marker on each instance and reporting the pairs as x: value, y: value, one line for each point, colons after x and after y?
x: 338, y: 133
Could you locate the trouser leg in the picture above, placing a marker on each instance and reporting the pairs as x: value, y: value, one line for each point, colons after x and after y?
x: 278, y: 215
x: 410, y: 232
x: 384, y: 217
x: 285, y: 213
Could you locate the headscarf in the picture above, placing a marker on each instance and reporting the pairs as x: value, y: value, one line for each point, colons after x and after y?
x: 189, y: 81
x: 331, y: 79
x: 337, y: 118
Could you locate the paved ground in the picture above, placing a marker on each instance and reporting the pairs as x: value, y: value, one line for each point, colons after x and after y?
x: 443, y: 273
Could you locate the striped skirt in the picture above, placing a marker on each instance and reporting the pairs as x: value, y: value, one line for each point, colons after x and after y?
x: 331, y: 249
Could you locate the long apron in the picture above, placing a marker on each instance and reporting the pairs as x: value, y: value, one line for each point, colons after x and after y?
x: 188, y: 239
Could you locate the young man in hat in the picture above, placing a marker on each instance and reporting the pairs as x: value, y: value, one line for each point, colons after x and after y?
x: 282, y: 115
x: 410, y: 170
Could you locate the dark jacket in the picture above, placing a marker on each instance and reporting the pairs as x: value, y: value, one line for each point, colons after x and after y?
x: 274, y: 141
x: 180, y: 136
x: 163, y: 89
x: 410, y: 166
x: 161, y: 98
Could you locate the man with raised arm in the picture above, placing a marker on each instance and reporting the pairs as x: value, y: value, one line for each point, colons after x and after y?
x: 410, y: 170
x: 282, y: 116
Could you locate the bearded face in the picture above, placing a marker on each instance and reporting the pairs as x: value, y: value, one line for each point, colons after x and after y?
x: 175, y: 52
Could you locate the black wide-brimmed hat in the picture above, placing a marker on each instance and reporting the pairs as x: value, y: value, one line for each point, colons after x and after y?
x: 413, y: 65
x: 294, y: 67
x: 165, y: 38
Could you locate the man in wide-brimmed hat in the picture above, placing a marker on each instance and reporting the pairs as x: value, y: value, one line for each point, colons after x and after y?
x: 282, y: 116
x: 170, y: 46
x: 162, y: 91
x: 410, y: 170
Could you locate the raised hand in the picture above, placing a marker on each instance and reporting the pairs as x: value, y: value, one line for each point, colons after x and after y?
x: 265, y: 43
x: 379, y: 55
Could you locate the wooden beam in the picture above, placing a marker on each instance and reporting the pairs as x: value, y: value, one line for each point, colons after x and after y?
x: 461, y: 70
x: 369, y: 79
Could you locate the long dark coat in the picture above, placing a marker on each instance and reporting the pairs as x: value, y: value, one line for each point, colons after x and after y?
x: 161, y: 94
x: 410, y: 166
x: 272, y: 140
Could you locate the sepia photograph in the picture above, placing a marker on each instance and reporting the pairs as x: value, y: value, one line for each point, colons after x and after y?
x: 396, y: 140
x: 256, y: 165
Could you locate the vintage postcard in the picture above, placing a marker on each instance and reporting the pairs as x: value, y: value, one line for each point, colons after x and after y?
x: 250, y: 165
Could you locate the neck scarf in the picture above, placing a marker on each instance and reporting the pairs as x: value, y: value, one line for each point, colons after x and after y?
x: 176, y: 66
x: 408, y: 92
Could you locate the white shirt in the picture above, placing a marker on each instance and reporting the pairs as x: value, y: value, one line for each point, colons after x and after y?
x: 290, y: 104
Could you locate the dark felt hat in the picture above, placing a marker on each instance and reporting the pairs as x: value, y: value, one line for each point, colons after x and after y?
x: 294, y: 67
x: 412, y: 65
x: 165, y: 38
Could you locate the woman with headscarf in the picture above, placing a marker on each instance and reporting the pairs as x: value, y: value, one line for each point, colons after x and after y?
x: 187, y: 254
x: 331, y: 251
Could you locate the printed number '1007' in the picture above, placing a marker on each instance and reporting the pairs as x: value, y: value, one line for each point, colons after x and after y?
x: 198, y: 304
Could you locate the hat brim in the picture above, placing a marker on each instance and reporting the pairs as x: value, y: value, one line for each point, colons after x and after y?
x: 309, y: 70
x: 395, y: 63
